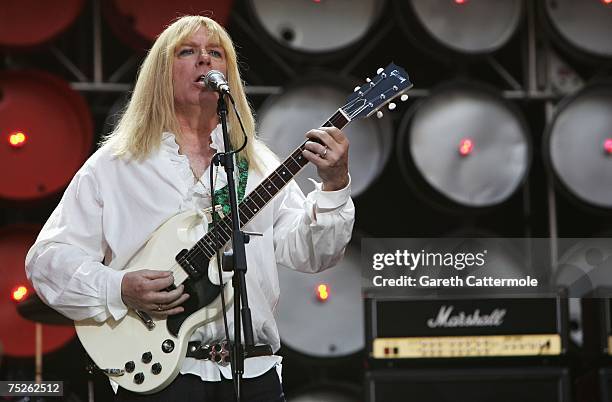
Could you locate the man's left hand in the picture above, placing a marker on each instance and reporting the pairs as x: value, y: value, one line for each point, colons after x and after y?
x: 330, y: 156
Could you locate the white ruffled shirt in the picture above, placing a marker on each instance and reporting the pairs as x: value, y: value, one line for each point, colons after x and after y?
x: 112, y: 206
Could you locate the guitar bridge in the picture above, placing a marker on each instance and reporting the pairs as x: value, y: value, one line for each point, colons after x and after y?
x: 113, y: 372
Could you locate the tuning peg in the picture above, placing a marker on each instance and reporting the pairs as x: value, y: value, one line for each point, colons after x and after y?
x: 392, y: 106
x: 357, y: 88
x: 379, y: 114
x: 368, y: 80
x: 380, y: 70
x: 404, y: 98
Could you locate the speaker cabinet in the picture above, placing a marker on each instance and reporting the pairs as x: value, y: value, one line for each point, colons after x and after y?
x: 482, y: 384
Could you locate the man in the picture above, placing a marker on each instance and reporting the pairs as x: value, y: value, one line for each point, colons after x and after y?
x: 155, y: 165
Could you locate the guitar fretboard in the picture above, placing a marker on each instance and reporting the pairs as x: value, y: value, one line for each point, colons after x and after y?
x: 250, y: 206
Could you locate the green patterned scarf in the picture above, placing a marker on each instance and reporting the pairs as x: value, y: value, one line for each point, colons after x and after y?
x: 222, y: 195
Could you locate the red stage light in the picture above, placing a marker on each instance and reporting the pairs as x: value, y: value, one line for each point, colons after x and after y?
x: 466, y: 146
x: 316, y: 1
x: 19, y: 293
x: 463, y: 1
x: 322, y: 292
x: 607, y: 2
x: 608, y: 141
x: 17, y: 139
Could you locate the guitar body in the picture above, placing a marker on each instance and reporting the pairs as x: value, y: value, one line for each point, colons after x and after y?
x: 115, y: 345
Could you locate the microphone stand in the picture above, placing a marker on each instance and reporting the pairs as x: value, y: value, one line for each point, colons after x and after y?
x: 239, y: 265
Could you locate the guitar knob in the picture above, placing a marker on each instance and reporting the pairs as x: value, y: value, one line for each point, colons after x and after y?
x: 379, y: 114
x: 139, y: 378
x: 147, y: 357
x: 368, y: 80
x: 130, y: 366
x: 168, y: 346
x: 380, y: 70
x: 156, y: 368
x: 392, y: 106
x: 404, y: 98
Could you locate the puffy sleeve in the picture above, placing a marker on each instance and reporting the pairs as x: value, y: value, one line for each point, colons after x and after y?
x: 65, y: 264
x: 311, y: 233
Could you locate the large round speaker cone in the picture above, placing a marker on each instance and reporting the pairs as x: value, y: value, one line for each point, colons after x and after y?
x: 316, y: 26
x: 465, y: 28
x: 467, y: 144
x: 578, y: 145
x: 585, y: 25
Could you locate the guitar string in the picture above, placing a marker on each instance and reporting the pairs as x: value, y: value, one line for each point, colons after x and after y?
x: 224, y: 223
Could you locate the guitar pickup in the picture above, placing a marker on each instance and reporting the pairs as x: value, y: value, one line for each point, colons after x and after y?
x: 207, y: 212
x: 194, y: 267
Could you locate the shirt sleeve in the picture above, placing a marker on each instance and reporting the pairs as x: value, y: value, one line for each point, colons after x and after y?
x: 65, y: 263
x: 311, y: 233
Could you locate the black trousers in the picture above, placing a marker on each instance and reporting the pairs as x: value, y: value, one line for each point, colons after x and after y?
x: 189, y: 387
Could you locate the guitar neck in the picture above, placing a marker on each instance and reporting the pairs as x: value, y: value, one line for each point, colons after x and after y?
x: 262, y: 194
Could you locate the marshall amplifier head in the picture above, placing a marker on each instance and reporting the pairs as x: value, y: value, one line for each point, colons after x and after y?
x: 460, y: 328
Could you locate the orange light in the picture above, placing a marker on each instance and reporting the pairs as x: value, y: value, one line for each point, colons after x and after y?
x: 466, y: 146
x: 17, y: 139
x: 20, y: 293
x: 322, y: 292
x: 608, y: 141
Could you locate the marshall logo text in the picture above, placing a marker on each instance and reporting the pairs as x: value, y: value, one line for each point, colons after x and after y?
x: 461, y: 319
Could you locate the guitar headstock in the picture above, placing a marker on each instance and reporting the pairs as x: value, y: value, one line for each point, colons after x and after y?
x: 388, y: 84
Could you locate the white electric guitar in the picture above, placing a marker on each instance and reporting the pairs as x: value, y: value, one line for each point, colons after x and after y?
x: 144, y: 354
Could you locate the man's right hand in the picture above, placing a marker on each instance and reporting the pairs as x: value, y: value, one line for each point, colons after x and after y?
x: 145, y: 290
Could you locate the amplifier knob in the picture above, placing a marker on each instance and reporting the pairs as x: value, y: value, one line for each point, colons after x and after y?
x: 139, y: 378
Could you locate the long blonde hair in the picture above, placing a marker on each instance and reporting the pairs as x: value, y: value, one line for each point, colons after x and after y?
x: 150, y: 110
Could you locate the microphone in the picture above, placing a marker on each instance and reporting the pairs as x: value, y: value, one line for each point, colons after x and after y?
x: 215, y: 80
